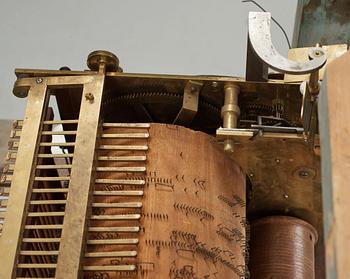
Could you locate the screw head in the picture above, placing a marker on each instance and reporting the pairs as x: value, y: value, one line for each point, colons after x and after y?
x: 285, y: 195
x: 303, y: 173
x: 89, y: 97
x: 39, y: 80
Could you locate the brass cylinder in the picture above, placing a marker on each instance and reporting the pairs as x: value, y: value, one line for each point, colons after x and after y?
x: 230, y: 112
x: 282, y: 247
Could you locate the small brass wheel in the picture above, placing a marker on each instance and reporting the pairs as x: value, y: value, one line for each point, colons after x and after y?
x: 98, y: 57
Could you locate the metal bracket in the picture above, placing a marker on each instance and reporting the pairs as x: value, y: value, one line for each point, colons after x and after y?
x: 260, y: 40
x: 190, y: 102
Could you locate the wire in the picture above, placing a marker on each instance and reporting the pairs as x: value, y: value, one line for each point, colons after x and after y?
x: 274, y: 20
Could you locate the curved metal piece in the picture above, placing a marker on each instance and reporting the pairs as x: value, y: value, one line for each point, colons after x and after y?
x: 260, y: 40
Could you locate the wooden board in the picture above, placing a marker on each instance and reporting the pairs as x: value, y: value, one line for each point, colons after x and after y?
x: 334, y: 107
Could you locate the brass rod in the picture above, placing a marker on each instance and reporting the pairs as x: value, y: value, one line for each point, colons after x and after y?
x: 52, y: 178
x: 126, y: 136
x: 36, y: 265
x: 50, y: 133
x: 114, y: 229
x: 119, y: 205
x: 63, y: 144
x: 118, y: 193
x: 120, y: 181
x: 130, y: 267
x: 46, y: 167
x: 122, y: 169
x: 45, y: 214
x: 36, y: 240
x: 116, y: 217
x: 50, y: 122
x: 37, y: 202
x: 122, y: 158
x: 113, y: 241
x: 55, y: 155
x: 111, y: 254
x: 38, y: 253
x: 51, y: 190
x: 124, y: 147
x: 126, y: 125
x: 43, y: 227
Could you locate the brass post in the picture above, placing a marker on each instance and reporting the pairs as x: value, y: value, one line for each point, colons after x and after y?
x: 230, y: 112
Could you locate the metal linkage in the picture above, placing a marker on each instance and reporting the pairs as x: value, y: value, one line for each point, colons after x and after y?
x: 230, y: 112
x: 260, y: 40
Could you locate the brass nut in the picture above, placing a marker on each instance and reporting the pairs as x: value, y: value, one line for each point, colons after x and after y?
x: 3, y: 178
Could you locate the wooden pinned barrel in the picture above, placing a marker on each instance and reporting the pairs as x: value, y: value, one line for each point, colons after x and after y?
x: 173, y: 208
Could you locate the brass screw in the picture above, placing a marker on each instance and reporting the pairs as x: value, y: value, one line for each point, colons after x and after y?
x: 89, y: 97
x: 39, y: 80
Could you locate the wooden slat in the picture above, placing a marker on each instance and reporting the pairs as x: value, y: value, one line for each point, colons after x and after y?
x: 118, y: 193
x: 124, y: 241
x: 126, y: 125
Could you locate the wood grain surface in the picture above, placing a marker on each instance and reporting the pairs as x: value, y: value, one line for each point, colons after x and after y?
x: 192, y: 220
